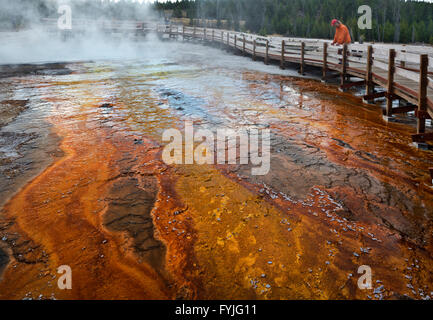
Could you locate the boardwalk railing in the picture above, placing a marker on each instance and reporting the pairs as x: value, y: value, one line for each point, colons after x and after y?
x: 82, y: 25
x: 404, y: 72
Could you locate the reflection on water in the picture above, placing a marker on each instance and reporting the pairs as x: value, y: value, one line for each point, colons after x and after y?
x: 345, y: 189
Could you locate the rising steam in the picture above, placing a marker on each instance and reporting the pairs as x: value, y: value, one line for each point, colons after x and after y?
x: 29, y: 31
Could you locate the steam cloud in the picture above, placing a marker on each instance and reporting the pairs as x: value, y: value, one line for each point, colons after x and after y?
x: 26, y: 36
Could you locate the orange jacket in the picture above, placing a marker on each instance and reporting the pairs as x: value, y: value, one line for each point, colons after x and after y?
x: 342, y: 35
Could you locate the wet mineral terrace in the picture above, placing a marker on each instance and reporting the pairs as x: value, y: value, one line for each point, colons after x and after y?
x: 83, y: 184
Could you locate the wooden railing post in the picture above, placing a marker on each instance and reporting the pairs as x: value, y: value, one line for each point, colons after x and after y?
x: 204, y: 34
x: 213, y: 35
x: 369, y: 89
x: 390, y: 85
x: 183, y: 33
x: 193, y: 35
x: 243, y: 46
x: 402, y: 62
x: 267, y: 52
x: 302, y: 64
x: 254, y: 49
x: 236, y: 40
x: 283, y: 46
x: 422, y: 94
x: 344, y: 65
x: 325, y: 60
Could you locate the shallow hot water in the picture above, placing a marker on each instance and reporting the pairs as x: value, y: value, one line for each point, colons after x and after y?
x: 344, y: 189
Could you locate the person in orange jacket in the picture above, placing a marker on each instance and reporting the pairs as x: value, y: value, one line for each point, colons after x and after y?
x: 342, y: 34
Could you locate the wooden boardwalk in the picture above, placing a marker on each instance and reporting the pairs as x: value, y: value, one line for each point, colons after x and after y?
x: 124, y: 27
x: 404, y: 72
